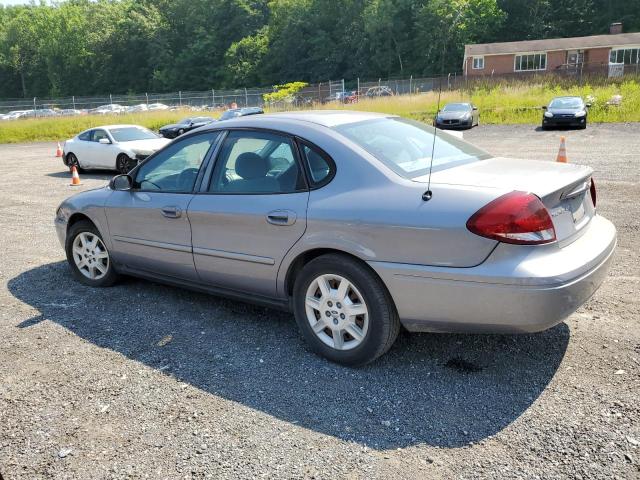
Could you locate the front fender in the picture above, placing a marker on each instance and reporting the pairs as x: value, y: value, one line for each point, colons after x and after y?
x: 89, y: 204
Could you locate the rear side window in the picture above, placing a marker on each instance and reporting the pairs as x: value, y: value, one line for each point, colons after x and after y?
x: 319, y: 164
x: 86, y: 136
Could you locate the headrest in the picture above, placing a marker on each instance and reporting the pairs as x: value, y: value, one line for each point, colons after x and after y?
x: 250, y: 165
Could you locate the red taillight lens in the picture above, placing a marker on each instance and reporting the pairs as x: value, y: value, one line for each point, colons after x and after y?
x: 592, y: 189
x: 516, y: 217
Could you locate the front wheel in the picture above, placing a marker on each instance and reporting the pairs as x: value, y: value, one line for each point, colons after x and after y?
x: 344, y: 311
x: 88, y: 256
x: 122, y: 163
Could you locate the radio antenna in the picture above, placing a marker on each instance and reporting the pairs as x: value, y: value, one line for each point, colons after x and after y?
x: 426, y: 196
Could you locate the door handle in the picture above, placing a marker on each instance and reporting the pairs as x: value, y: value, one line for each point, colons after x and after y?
x: 171, y: 212
x: 281, y: 217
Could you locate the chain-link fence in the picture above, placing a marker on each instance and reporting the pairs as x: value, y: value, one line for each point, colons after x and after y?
x: 339, y: 91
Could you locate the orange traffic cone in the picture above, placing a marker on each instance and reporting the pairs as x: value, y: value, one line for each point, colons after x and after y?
x: 75, y: 178
x: 58, y: 150
x: 562, y: 153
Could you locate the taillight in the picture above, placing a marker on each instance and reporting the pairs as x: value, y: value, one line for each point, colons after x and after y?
x: 592, y: 190
x: 517, y: 217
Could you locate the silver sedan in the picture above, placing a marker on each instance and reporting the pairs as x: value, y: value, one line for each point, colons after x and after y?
x: 358, y: 223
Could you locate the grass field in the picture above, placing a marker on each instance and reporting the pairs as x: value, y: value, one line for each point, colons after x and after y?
x: 512, y: 104
x: 505, y: 104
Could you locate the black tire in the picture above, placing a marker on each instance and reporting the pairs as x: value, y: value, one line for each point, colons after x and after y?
x: 73, y: 160
x: 384, y: 324
x: 123, y: 163
x: 76, y: 229
x: 180, y: 132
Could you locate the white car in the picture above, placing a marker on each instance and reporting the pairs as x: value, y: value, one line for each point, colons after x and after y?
x: 107, y: 109
x: 158, y: 106
x: 111, y: 147
x: 142, y: 107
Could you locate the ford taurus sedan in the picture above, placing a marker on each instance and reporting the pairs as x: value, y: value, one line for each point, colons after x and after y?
x: 334, y: 215
x: 111, y: 147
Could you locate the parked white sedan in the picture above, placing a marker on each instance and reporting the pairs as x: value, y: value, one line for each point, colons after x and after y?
x: 111, y: 147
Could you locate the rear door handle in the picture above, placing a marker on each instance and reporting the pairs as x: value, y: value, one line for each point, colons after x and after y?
x: 281, y: 217
x: 171, y: 212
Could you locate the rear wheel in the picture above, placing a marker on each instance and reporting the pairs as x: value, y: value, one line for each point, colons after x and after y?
x: 72, y: 161
x: 122, y: 163
x: 180, y: 132
x: 344, y: 310
x: 88, y: 256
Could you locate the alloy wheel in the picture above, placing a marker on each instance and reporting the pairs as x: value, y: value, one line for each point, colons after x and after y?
x: 90, y: 255
x: 123, y: 164
x: 337, y: 312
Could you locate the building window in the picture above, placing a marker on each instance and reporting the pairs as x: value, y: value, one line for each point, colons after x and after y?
x: 628, y: 56
x: 530, y: 62
x: 478, y: 63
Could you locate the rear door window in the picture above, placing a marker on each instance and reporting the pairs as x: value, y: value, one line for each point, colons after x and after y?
x: 85, y: 136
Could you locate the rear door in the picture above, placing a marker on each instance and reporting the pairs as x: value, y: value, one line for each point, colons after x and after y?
x: 149, y: 226
x: 252, y: 211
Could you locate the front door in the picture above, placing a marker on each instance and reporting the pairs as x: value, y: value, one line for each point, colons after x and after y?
x: 148, y: 225
x: 253, y: 211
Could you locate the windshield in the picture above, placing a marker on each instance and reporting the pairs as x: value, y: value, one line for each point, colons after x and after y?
x: 130, y: 134
x: 185, y: 121
x: 456, y: 107
x: 405, y: 146
x: 566, y: 103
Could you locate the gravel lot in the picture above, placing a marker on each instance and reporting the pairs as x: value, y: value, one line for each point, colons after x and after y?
x: 147, y: 381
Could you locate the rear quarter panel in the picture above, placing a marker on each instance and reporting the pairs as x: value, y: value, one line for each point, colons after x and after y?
x: 374, y: 214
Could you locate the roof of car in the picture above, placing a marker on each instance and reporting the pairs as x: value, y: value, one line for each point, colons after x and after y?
x: 110, y: 127
x: 328, y: 118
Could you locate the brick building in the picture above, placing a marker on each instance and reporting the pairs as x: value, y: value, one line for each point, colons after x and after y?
x: 614, y: 54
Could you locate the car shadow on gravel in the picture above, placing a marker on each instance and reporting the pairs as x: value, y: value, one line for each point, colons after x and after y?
x: 439, y: 389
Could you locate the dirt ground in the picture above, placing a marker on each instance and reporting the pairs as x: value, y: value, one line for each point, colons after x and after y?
x: 148, y: 381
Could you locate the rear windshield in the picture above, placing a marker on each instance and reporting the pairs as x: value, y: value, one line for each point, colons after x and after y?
x: 406, y: 146
x: 130, y: 134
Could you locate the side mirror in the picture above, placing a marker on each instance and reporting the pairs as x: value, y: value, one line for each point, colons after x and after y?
x: 544, y: 107
x: 121, y: 183
x: 475, y: 109
x: 104, y: 141
x: 588, y: 105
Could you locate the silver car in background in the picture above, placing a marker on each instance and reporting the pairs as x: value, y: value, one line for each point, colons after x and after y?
x: 331, y: 215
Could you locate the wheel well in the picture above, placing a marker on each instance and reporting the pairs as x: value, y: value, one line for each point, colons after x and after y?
x: 77, y: 217
x: 301, y: 260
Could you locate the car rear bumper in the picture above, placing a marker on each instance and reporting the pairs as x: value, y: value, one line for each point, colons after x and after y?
x: 517, y: 289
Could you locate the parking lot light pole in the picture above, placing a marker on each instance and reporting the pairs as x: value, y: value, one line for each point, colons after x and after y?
x: 180, y: 98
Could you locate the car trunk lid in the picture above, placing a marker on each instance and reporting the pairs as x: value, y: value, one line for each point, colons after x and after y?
x: 563, y: 188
